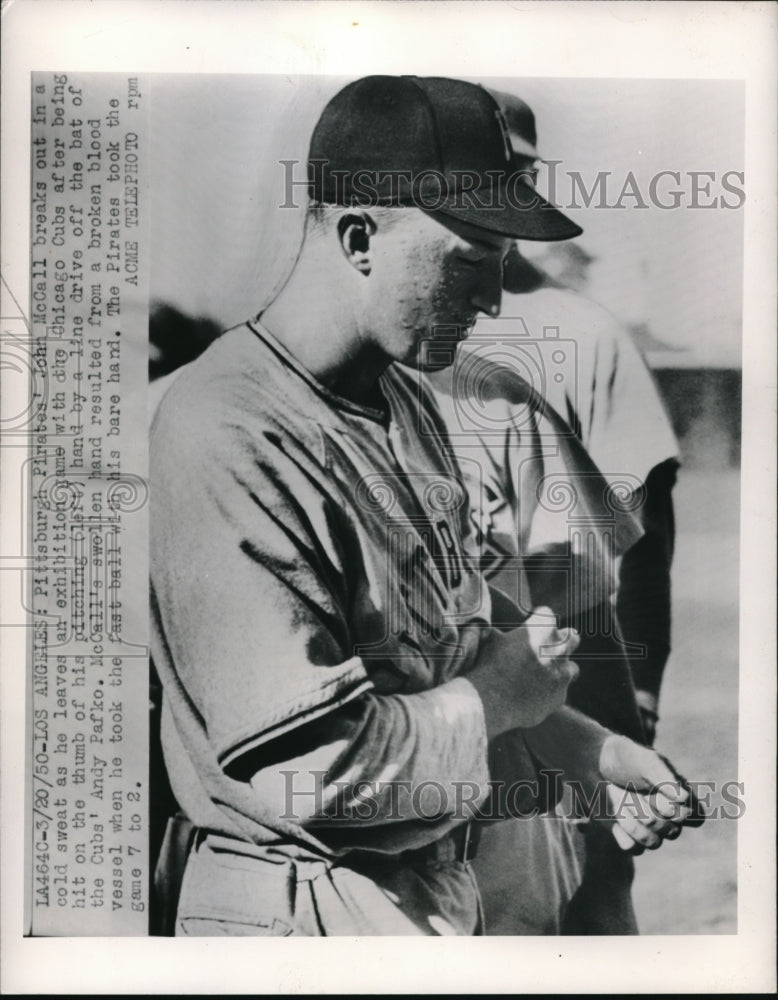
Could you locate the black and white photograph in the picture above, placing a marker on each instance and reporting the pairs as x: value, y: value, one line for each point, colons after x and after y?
x: 388, y: 521
x: 356, y: 580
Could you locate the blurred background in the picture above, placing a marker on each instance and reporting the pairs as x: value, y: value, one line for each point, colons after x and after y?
x: 222, y: 247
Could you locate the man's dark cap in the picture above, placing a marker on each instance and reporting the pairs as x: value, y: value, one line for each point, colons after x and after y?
x: 520, y: 121
x: 439, y: 144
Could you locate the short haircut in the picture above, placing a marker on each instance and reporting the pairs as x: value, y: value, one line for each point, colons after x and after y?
x: 321, y: 216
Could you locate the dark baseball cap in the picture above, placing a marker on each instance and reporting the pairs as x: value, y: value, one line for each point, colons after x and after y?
x: 520, y: 122
x: 440, y: 144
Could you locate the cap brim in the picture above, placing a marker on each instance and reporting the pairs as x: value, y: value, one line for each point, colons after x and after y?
x: 519, y: 212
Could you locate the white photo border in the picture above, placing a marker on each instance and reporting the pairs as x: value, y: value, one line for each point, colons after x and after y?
x: 614, y: 39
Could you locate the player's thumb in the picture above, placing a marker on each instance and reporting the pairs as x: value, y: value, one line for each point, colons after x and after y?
x: 568, y: 640
x: 549, y: 640
x: 541, y: 617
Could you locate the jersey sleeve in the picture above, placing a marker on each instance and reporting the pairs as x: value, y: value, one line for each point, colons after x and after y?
x: 248, y: 586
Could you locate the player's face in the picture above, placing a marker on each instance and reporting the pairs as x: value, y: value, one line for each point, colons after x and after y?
x: 431, y: 277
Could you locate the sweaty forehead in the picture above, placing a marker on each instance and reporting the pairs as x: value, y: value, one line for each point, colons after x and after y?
x: 436, y: 228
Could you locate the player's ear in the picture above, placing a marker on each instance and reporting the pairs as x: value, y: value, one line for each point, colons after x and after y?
x: 355, y: 232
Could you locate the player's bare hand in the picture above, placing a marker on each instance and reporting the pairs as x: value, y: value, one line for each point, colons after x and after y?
x: 642, y: 822
x: 549, y: 642
x: 525, y: 673
x: 658, y: 800
x: 543, y: 669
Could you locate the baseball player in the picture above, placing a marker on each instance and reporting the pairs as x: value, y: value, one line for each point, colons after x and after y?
x: 331, y: 677
x: 599, y: 409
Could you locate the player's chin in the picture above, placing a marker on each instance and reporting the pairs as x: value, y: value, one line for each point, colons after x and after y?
x: 436, y: 355
x: 439, y: 351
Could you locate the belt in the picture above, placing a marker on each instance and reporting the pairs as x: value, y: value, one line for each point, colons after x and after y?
x: 458, y: 846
